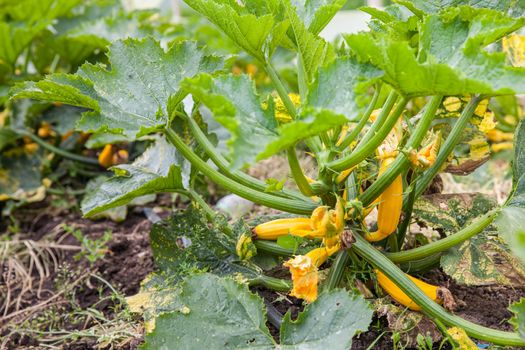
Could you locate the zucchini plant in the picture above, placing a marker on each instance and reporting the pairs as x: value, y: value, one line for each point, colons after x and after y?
x: 382, y: 114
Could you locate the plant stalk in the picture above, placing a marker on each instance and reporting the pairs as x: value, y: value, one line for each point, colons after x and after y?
x: 441, y: 245
x: 288, y: 205
x: 434, y: 310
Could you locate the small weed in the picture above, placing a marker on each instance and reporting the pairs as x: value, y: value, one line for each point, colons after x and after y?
x: 92, y: 249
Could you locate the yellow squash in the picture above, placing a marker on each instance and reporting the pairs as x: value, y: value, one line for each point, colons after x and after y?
x: 389, y: 208
x: 274, y: 229
x: 438, y: 294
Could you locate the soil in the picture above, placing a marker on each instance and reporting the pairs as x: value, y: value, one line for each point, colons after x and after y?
x: 129, y: 260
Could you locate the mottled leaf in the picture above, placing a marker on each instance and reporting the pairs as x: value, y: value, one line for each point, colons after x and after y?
x: 330, y: 322
x: 20, y: 175
x: 215, y: 313
x: 133, y: 97
x: 187, y: 242
x: 159, y: 169
x: 483, y: 260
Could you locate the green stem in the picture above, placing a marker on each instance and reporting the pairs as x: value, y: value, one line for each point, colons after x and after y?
x: 434, y: 310
x: 224, y: 165
x: 477, y: 226
x: 361, y: 124
x: 408, y: 207
x: 402, y: 160
x: 270, y: 247
x: 59, y: 151
x: 386, y: 109
x: 366, y: 149
x: 272, y: 283
x: 337, y: 270
x: 392, y: 242
x: 422, y: 265
x: 297, y: 173
x: 288, y: 205
x: 281, y: 90
x: 446, y: 149
x: 210, y: 213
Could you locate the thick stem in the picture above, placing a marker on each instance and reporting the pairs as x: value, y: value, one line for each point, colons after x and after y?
x: 362, y: 122
x: 59, y: 151
x: 288, y: 205
x: 272, y: 283
x: 402, y: 161
x: 434, y: 310
x: 224, y: 165
x: 366, y: 149
x: 337, y: 270
x: 297, y: 173
x: 477, y: 226
x: 281, y: 90
x: 446, y: 149
x: 408, y: 207
x: 273, y: 248
x: 420, y: 266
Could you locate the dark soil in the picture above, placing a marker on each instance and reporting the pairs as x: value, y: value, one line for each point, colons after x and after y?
x: 129, y: 261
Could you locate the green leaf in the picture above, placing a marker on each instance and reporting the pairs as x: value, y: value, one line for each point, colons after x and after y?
x: 518, y: 320
x: 216, y: 313
x: 512, y: 228
x: 235, y: 104
x: 133, y: 97
x: 159, y: 169
x: 342, y: 87
x: 316, y: 14
x: 330, y: 322
x: 451, y: 59
x: 483, y: 260
x: 420, y: 7
x: 186, y: 242
x: 313, y: 51
x: 518, y: 163
x: 257, y: 35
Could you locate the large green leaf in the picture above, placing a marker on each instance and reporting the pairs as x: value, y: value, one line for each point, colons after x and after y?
x: 257, y: 33
x: 330, y: 322
x: 159, y: 169
x: 451, y: 59
x: 313, y: 50
x: 219, y: 313
x: 316, y: 14
x: 215, y: 313
x: 342, y: 87
x: 424, y: 6
x: 133, y: 97
x: 255, y: 133
x: 235, y: 104
x: 20, y: 176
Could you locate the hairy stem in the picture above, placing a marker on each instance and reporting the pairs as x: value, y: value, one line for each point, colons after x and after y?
x: 434, y: 310
x: 337, y: 269
x: 441, y: 245
x: 224, y: 165
x: 59, y: 151
x: 367, y: 148
x: 402, y: 161
x: 288, y: 205
x: 448, y: 146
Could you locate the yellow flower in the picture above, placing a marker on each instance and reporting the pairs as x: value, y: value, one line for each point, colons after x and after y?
x: 304, y: 270
x: 452, y: 104
x: 425, y: 157
x: 514, y: 46
x: 281, y: 113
